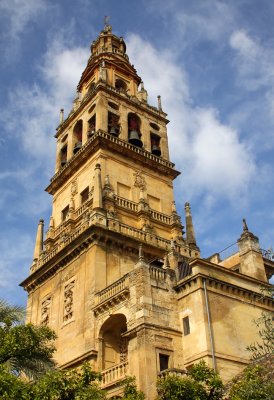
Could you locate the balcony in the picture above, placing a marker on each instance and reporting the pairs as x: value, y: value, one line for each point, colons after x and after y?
x: 112, y: 295
x: 115, y: 374
x: 172, y: 372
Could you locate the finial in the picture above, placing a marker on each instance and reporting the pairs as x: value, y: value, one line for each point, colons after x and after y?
x: 97, y: 192
x: 51, y: 222
x: 142, y: 86
x: 190, y: 234
x: 107, y: 27
x: 245, y: 227
x: 159, y: 103
x: 107, y: 182
x: 39, y: 240
x: 172, y: 245
x: 61, y: 115
x: 166, y: 262
x: 173, y: 207
x: 141, y: 253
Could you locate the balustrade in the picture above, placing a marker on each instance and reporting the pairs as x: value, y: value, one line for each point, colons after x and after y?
x: 114, y: 374
x: 157, y: 273
x: 112, y: 289
x: 172, y: 372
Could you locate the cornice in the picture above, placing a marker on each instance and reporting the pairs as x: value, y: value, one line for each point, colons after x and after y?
x: 104, y: 140
x: 232, y: 289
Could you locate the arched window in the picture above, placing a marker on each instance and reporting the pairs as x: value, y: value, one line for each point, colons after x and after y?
x: 155, y: 144
x: 77, y: 135
x: 64, y: 155
x: 114, y: 344
x: 91, y: 126
x: 121, y: 85
x: 113, y: 124
x: 134, y: 134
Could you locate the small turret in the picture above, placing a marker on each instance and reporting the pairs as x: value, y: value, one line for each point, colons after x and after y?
x: 251, y: 259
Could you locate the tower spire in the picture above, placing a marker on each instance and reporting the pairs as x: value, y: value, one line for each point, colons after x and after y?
x: 190, y: 234
x: 39, y: 240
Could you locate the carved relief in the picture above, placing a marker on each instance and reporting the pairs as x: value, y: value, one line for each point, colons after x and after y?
x: 45, y: 311
x: 123, y: 350
x: 139, y: 180
x: 68, y: 301
x: 74, y: 189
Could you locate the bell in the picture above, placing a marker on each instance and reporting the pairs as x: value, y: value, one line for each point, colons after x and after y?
x: 113, y: 131
x: 77, y: 147
x: 91, y: 132
x: 156, y: 150
x: 134, y: 139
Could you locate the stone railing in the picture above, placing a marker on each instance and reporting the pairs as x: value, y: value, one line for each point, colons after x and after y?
x: 160, y: 217
x: 172, y: 372
x: 157, y: 273
x: 125, y: 203
x: 114, y: 374
x: 112, y: 290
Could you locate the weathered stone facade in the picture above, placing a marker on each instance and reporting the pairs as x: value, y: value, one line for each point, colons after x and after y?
x: 115, y: 276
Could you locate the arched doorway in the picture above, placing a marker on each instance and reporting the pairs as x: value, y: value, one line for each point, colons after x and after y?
x: 114, y: 344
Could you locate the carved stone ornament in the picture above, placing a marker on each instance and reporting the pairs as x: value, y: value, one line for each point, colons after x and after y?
x: 74, y: 189
x: 68, y: 301
x: 45, y: 310
x: 139, y: 180
x: 123, y: 350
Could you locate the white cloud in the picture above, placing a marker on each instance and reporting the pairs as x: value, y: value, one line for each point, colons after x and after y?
x: 210, y: 153
x: 16, y: 16
x: 254, y: 63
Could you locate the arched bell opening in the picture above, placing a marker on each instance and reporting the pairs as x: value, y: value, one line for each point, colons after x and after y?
x: 64, y: 155
x: 91, y: 126
x: 155, y: 144
x: 121, y: 85
x: 134, y: 134
x: 114, y: 347
x: 77, y: 135
x: 113, y: 124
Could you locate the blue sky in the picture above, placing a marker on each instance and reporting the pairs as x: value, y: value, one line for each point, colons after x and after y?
x: 212, y: 62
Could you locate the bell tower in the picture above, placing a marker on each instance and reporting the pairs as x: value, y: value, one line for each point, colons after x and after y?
x: 103, y: 277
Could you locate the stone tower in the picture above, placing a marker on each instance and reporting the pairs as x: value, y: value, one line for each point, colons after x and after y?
x: 115, y: 277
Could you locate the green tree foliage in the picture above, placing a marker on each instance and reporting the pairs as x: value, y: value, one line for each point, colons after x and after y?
x: 201, y: 383
x: 10, y: 315
x: 11, y: 387
x: 256, y: 383
x: 130, y: 390
x: 24, y: 349
x: 266, y: 332
x: 73, y: 384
